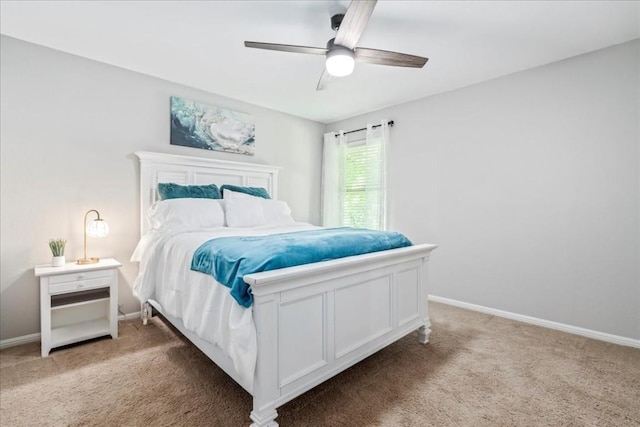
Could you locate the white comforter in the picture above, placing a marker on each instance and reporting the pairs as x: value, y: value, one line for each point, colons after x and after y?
x: 205, y: 306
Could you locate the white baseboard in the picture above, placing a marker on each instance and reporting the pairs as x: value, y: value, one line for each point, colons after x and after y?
x: 25, y: 339
x: 589, y: 333
x: 134, y: 315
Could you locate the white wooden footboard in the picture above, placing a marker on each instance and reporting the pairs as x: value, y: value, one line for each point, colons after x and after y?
x: 316, y: 320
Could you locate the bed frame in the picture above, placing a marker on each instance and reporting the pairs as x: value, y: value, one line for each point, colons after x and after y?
x: 312, y: 321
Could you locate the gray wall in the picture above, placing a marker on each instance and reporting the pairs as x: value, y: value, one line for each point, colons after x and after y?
x: 69, y: 127
x: 530, y: 185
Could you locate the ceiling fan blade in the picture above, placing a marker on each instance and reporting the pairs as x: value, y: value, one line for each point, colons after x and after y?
x: 287, y: 48
x: 384, y: 57
x: 354, y: 22
x: 325, y: 79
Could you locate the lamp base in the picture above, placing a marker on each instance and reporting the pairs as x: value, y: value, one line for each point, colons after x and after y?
x: 88, y: 261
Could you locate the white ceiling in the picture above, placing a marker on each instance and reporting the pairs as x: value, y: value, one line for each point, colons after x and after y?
x: 200, y: 44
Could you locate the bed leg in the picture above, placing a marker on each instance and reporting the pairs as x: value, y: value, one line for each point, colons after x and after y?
x: 264, y: 418
x: 424, y: 332
x: 146, y: 312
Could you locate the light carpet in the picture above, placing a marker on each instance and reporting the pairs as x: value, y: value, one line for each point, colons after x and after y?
x: 478, y: 370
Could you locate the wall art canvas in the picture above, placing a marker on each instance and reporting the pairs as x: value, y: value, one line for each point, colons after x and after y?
x: 211, y: 128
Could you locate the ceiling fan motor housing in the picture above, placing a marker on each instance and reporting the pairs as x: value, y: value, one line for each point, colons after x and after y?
x: 336, y: 20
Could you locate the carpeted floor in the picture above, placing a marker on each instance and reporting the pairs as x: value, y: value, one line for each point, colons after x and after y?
x: 478, y: 370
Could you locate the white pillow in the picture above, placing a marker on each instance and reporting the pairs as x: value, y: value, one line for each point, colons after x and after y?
x: 276, y: 212
x: 187, y: 213
x: 244, y: 210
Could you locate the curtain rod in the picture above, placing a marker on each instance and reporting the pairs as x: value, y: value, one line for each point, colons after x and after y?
x: 390, y: 123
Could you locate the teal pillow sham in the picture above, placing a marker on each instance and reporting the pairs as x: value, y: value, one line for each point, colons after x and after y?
x: 252, y: 191
x: 169, y: 190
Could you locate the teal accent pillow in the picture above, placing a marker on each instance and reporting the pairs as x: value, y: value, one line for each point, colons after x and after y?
x: 169, y: 190
x: 252, y: 191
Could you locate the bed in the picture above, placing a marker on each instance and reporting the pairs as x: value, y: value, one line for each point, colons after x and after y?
x: 310, y: 321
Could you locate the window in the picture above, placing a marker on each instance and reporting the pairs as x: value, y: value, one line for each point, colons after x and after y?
x: 354, y: 180
x: 363, y: 195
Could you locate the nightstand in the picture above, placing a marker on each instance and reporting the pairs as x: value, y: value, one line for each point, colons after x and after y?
x: 77, y: 302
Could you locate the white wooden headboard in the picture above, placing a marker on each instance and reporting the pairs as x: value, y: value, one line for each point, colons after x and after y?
x: 186, y: 170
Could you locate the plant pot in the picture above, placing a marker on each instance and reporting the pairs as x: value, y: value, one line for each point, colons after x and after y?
x: 58, y: 261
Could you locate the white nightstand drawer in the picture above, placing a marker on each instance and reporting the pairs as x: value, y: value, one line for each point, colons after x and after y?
x: 79, y: 276
x: 79, y: 285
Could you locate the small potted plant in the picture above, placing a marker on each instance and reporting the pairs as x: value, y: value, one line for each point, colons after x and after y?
x: 57, y: 250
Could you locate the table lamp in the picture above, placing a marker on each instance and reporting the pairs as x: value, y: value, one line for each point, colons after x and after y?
x: 96, y: 228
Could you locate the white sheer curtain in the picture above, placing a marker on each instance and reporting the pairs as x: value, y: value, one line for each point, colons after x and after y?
x: 354, y: 179
x: 333, y: 178
x: 376, y: 200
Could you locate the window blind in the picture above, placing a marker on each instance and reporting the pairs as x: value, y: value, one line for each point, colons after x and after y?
x: 363, y: 189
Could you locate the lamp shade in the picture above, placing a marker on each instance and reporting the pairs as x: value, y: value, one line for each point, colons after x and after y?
x: 97, y: 228
x: 340, y: 61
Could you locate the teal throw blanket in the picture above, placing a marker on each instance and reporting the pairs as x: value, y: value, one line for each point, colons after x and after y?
x: 228, y: 259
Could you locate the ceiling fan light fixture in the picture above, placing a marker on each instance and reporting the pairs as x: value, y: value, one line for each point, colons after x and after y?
x: 340, y: 61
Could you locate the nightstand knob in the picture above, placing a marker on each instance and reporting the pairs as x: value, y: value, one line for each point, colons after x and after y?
x: 80, y: 276
x: 80, y: 285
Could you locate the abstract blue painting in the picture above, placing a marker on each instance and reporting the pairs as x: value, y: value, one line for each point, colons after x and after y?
x: 211, y: 128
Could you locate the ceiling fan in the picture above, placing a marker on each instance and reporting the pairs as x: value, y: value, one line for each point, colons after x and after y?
x: 341, y: 52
